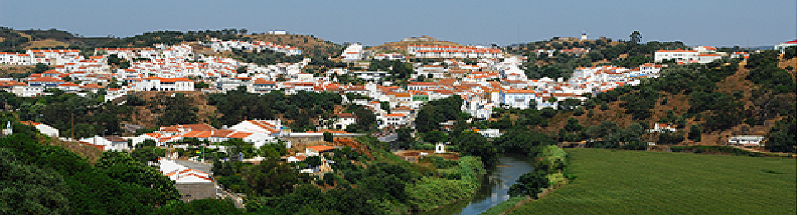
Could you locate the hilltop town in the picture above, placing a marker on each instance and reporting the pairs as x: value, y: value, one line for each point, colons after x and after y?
x: 205, y: 106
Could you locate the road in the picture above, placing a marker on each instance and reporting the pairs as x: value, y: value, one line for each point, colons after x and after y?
x: 388, y: 138
x: 195, y: 165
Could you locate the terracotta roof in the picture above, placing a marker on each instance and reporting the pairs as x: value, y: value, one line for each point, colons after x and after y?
x: 345, y: 115
x: 239, y: 135
x: 321, y: 148
x: 31, y: 123
x: 45, y: 79
x: 115, y: 139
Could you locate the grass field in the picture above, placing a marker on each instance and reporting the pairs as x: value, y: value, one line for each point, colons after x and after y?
x: 638, y: 182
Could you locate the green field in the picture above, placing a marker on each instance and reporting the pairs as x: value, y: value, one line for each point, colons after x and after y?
x: 638, y: 182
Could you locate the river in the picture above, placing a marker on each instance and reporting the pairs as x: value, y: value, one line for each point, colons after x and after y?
x: 494, y: 188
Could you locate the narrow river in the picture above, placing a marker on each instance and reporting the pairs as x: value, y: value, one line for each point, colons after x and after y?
x: 494, y: 188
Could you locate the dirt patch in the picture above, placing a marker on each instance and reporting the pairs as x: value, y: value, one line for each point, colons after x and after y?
x: 145, y: 117
x: 89, y: 152
x: 791, y: 62
x: 310, y: 45
x: 6, y: 71
x: 47, y: 43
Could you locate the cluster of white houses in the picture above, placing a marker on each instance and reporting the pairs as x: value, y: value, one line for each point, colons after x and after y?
x: 257, y: 46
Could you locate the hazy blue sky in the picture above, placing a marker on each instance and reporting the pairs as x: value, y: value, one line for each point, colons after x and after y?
x: 373, y: 22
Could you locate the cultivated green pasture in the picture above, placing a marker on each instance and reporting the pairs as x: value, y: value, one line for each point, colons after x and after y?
x: 638, y: 182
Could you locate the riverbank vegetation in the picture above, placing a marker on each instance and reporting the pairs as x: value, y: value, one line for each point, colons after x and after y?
x: 375, y: 183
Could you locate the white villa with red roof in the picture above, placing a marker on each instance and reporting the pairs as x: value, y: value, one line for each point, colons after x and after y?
x: 786, y: 44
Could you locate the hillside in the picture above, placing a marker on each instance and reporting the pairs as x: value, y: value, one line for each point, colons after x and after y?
x: 32, y: 39
x: 144, y: 116
x: 401, y: 46
x: 310, y: 45
x: 756, y: 104
x: 27, y: 39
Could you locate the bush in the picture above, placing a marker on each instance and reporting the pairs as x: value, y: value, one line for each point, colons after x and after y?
x: 327, y: 137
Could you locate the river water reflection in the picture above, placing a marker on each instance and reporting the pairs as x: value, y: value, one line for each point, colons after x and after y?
x: 494, y: 188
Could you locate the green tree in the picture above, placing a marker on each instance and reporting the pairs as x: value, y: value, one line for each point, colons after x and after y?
x: 271, y: 178
x: 404, y: 138
x: 636, y: 37
x: 365, y: 119
x: 327, y: 137
x: 573, y: 125
x: 578, y: 111
x: 200, y: 85
x: 28, y: 189
x: 695, y: 133
x: 123, y: 167
x: 435, y: 137
x: 783, y: 136
x: 790, y: 52
x: 241, y: 70
x: 40, y: 68
x: 473, y: 144
x: 530, y: 184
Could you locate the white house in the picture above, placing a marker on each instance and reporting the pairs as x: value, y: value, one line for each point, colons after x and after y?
x: 165, y: 84
x: 661, y: 128
x: 680, y: 55
x: 517, y: 98
x: 108, y: 143
x: 267, y: 127
x: 343, y: 120
x: 353, y: 52
x: 396, y: 119
x: 747, y: 140
x: 43, y: 128
x: 786, y: 44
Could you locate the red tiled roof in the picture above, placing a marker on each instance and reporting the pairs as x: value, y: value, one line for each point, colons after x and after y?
x: 321, y: 148
x: 239, y: 135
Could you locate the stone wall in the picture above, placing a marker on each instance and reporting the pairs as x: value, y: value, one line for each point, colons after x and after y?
x: 193, y: 191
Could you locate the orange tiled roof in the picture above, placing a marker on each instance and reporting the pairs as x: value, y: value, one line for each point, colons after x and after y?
x: 321, y: 148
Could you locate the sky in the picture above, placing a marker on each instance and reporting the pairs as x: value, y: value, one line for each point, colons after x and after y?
x: 469, y: 22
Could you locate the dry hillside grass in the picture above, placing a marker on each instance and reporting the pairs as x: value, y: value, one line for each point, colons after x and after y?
x: 148, y: 119
x: 47, y: 43
x: 791, y: 62
x: 89, y: 152
x: 308, y: 44
x: 6, y: 71
x: 403, y: 45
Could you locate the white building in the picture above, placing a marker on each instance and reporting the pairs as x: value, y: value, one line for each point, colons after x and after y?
x: 267, y: 127
x: 43, y: 128
x: 746, y: 140
x: 680, y: 55
x: 353, y: 52
x: 395, y: 119
x: 786, y: 44
x: 518, y: 98
x: 343, y: 120
x: 165, y: 84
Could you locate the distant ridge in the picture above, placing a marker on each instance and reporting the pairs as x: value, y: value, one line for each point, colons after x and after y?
x: 402, y: 45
